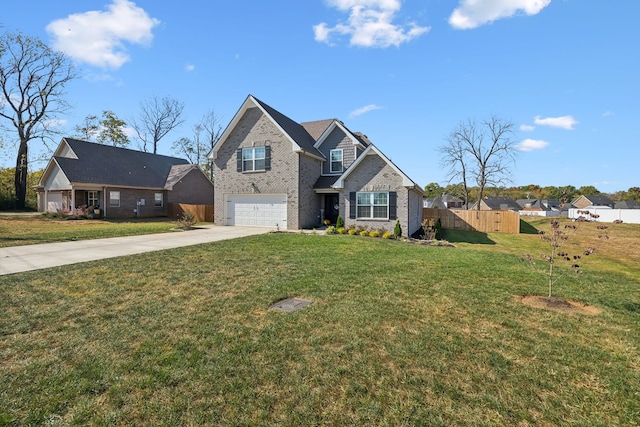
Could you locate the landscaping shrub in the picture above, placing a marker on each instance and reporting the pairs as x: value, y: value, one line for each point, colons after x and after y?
x: 340, y: 230
x: 330, y: 230
x: 186, y: 220
x: 387, y: 235
x: 352, y: 231
x: 397, y: 230
x: 374, y: 233
x: 340, y: 222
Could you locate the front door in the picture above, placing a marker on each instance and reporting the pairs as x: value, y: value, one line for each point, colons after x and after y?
x: 331, y: 207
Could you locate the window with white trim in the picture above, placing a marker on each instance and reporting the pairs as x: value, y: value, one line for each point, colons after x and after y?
x: 92, y: 198
x: 335, y: 159
x: 114, y: 199
x: 158, y: 200
x: 372, y: 205
x: 253, y: 159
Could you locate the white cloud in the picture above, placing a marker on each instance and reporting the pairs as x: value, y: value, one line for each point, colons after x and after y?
x: 608, y: 113
x: 527, y: 128
x: 189, y: 67
x: 532, y: 144
x: 363, y: 110
x: 98, y: 37
x: 563, y: 122
x: 475, y: 13
x: 370, y: 24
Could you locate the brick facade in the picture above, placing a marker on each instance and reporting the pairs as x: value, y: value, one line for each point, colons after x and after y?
x: 375, y: 174
x: 294, y: 173
x: 254, y: 130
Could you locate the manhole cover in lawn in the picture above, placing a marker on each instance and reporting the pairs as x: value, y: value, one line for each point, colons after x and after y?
x: 291, y: 304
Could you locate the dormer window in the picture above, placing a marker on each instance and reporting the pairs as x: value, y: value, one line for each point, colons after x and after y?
x: 336, y: 161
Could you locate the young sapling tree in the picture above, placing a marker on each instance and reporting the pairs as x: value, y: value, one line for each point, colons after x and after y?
x: 557, y: 237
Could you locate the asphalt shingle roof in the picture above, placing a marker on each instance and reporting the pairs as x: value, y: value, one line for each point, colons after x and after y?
x: 295, y: 130
x: 115, y: 166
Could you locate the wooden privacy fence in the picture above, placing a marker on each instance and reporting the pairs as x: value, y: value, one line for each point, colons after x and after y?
x: 473, y: 220
x: 203, y: 213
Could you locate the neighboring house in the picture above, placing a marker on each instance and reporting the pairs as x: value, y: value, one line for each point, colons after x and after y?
x: 627, y: 204
x: 542, y: 207
x: 497, y: 204
x: 274, y: 172
x: 447, y: 201
x: 585, y: 201
x: 119, y: 182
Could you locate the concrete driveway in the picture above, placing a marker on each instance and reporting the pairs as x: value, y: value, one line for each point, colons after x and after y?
x: 33, y: 257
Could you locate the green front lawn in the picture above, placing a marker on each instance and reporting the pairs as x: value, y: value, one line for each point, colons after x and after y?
x: 18, y: 230
x: 397, y: 335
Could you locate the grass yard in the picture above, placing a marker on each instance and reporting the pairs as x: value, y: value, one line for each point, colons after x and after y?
x: 18, y: 230
x: 398, y: 334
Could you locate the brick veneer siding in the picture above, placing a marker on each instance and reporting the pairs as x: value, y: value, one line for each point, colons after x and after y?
x: 252, y: 130
x: 374, y: 174
x: 128, y: 202
x: 309, y: 202
x: 194, y: 188
x: 337, y: 139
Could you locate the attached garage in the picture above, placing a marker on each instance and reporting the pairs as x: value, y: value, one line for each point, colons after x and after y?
x: 256, y: 210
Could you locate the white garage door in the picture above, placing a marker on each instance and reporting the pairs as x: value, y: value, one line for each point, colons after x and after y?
x: 257, y: 210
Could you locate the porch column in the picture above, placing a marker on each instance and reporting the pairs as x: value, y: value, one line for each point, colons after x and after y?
x: 104, y: 202
x: 73, y: 200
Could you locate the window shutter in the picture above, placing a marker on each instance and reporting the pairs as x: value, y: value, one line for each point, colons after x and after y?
x: 352, y: 205
x: 267, y: 157
x: 393, y: 205
x: 239, y: 159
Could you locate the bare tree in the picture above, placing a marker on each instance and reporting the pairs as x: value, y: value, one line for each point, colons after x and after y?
x: 205, y: 134
x: 32, y: 80
x: 482, y: 152
x: 212, y: 129
x: 156, y: 119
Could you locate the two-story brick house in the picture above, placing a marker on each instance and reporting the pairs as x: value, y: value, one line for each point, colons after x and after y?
x: 271, y: 171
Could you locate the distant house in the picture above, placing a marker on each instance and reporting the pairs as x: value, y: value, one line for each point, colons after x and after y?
x: 627, y: 204
x: 542, y: 207
x: 585, y: 201
x: 272, y: 171
x: 497, y: 204
x: 118, y: 182
x: 447, y: 201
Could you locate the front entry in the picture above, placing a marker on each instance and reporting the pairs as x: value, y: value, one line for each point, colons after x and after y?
x: 331, y: 207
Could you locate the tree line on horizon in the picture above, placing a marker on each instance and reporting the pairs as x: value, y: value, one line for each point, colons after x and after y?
x: 531, y: 191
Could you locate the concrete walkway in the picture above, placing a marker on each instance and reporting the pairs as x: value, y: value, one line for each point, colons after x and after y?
x: 17, y: 259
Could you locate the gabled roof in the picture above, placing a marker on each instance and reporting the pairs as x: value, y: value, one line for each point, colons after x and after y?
x: 85, y: 162
x: 627, y: 204
x: 501, y: 203
x: 300, y: 139
x: 357, y: 138
x: 178, y: 172
x: 597, y: 200
x: 373, y: 150
x: 317, y: 128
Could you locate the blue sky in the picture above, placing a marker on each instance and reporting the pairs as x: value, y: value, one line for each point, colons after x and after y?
x: 405, y: 73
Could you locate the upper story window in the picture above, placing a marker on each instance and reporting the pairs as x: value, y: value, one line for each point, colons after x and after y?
x: 336, y: 160
x: 254, y: 159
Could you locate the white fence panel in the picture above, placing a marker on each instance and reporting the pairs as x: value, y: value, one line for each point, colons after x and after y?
x: 630, y: 216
